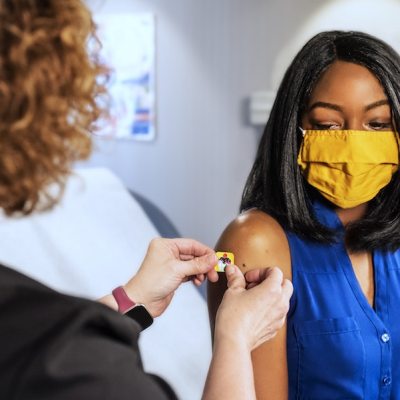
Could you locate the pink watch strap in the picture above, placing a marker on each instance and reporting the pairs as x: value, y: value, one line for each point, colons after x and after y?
x: 122, y: 299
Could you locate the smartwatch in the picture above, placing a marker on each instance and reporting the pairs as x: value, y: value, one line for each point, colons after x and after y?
x: 126, y: 306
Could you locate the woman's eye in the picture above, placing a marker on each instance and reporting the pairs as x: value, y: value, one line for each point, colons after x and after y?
x: 325, y: 126
x: 380, y: 126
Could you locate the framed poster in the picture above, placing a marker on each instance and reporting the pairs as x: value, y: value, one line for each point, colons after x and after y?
x: 128, y: 48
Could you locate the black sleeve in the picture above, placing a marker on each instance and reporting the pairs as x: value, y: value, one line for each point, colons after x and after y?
x: 62, y: 347
x: 89, y: 366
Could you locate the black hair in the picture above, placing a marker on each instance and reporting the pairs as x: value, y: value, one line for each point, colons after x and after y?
x: 275, y: 184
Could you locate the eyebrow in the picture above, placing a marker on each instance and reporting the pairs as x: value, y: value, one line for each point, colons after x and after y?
x: 336, y: 107
x: 379, y: 103
x: 325, y: 105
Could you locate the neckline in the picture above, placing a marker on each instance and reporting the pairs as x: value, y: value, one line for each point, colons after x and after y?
x: 345, y: 263
x: 329, y: 218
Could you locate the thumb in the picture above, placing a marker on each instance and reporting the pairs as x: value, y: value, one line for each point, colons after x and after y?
x: 199, y: 265
x: 235, y: 277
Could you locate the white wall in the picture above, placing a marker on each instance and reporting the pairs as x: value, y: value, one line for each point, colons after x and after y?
x: 379, y: 18
x: 211, y: 54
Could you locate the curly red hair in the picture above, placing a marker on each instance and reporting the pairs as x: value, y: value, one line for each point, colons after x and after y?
x: 50, y: 88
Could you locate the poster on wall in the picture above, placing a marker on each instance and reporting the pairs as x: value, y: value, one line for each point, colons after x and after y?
x: 128, y: 48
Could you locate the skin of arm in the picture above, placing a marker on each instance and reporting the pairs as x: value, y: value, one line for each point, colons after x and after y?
x: 231, y: 359
x: 258, y: 241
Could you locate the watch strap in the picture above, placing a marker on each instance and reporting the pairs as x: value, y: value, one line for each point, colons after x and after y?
x: 122, y: 299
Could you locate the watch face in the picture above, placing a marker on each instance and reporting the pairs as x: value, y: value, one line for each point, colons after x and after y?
x: 140, y: 315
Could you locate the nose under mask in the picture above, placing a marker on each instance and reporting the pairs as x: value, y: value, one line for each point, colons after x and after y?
x: 348, y: 167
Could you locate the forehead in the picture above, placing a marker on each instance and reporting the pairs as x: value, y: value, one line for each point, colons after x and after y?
x: 345, y: 82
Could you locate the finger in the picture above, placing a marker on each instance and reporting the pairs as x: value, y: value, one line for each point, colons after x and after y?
x: 287, y: 288
x: 190, y: 247
x: 274, y: 276
x: 258, y: 275
x: 235, y: 278
x: 198, y: 265
x: 251, y: 285
x: 212, y: 275
x: 200, y: 277
x: 197, y: 281
x: 265, y: 273
x: 273, y: 281
x: 253, y: 275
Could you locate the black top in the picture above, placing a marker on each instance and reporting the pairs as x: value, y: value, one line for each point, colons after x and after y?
x: 54, y: 346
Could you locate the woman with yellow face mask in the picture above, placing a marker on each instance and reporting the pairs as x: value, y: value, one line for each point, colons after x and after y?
x: 322, y: 203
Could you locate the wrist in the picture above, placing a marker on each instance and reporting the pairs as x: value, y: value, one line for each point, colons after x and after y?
x: 236, y: 339
x: 109, y: 301
x: 136, y: 311
x: 135, y: 292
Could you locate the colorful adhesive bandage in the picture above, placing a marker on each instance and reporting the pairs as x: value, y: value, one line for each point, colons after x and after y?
x: 224, y: 258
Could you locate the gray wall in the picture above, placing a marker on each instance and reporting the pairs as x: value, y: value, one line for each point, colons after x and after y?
x: 211, y: 54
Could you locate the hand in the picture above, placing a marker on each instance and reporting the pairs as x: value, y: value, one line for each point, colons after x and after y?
x: 253, y: 315
x: 167, y: 264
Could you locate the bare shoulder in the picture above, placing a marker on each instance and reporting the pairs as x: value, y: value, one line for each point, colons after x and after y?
x: 258, y: 241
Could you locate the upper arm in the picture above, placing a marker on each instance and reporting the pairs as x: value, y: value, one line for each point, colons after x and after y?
x: 258, y: 241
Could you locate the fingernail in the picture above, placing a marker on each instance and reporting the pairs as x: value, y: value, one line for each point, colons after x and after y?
x: 212, y: 258
x: 229, y: 270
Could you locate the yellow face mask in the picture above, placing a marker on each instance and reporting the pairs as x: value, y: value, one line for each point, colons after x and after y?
x: 348, y: 167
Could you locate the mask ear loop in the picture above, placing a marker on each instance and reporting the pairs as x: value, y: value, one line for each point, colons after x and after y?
x: 303, y: 133
x: 398, y: 140
x: 397, y: 134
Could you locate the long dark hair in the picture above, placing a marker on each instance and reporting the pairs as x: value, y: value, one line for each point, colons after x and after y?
x: 275, y: 184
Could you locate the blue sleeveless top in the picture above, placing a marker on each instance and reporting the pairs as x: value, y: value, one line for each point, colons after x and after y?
x: 338, y: 346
